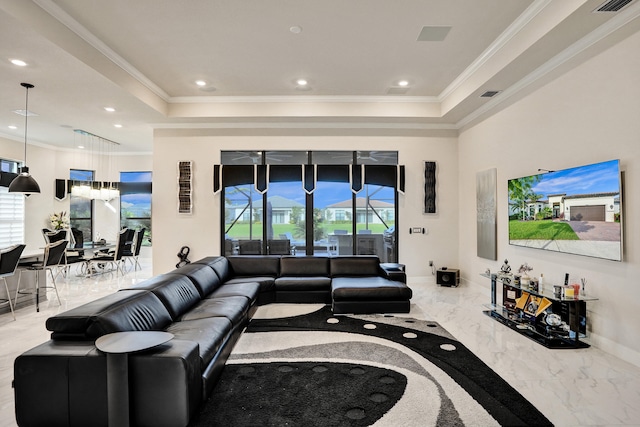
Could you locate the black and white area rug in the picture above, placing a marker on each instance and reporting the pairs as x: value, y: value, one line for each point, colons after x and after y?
x: 316, y: 369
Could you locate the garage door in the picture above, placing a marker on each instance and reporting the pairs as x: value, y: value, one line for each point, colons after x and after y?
x: 587, y: 213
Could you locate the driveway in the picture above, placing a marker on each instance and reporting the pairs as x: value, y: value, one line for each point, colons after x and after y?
x: 596, y: 230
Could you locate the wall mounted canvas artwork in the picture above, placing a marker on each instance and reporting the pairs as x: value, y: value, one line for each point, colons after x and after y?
x: 486, y: 214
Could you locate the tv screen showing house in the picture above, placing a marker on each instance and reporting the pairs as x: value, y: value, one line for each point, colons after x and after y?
x: 576, y: 211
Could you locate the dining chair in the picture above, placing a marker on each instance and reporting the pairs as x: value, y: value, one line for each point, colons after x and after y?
x: 134, y: 253
x: 69, y: 257
x: 44, y: 234
x: 249, y: 247
x: 279, y: 247
x: 289, y: 237
x: 129, y: 237
x: 56, y: 235
x: 114, y: 258
x: 51, y: 260
x: 9, y: 259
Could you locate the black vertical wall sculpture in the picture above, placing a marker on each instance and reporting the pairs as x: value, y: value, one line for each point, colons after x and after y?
x: 429, y: 187
x: 61, y: 189
x: 217, y: 178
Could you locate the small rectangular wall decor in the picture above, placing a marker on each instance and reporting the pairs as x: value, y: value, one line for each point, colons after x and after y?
x: 486, y: 214
x: 185, y: 205
x: 429, y: 187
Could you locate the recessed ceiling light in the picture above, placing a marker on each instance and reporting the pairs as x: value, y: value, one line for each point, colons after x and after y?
x: 19, y: 62
x: 118, y: 125
x: 109, y: 109
x: 201, y: 83
x: 12, y: 127
x: 403, y: 83
x: 296, y: 29
x: 81, y: 146
x: 301, y: 82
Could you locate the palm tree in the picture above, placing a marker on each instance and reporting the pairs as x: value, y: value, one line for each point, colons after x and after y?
x: 520, y: 191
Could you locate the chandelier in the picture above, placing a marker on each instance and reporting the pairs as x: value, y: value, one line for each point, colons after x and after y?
x: 100, y: 160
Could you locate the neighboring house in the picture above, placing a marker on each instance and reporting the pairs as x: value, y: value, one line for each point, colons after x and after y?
x: 578, y: 207
x: 342, y: 211
x: 592, y: 207
x: 281, y: 209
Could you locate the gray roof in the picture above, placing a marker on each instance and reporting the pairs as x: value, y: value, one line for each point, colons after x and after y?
x: 279, y: 202
x: 361, y: 203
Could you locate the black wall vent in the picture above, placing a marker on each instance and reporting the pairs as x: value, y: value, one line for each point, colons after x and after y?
x: 490, y: 94
x: 612, y: 5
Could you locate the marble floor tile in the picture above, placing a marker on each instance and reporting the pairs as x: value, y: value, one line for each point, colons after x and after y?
x: 585, y: 387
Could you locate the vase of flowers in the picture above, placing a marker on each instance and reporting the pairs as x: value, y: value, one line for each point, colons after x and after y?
x: 59, y: 220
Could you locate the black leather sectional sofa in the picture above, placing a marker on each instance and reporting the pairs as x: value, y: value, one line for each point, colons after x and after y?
x: 205, y: 305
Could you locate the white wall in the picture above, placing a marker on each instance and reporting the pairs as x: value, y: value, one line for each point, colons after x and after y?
x: 201, y: 230
x: 37, y: 206
x: 588, y: 115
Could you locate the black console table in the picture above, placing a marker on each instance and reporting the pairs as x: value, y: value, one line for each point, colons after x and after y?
x: 570, y: 311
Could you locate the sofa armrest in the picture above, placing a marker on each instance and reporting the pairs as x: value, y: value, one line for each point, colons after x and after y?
x: 393, y: 272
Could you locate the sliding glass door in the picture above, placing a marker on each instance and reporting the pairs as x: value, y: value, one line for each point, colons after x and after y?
x: 310, y: 209
x: 243, y: 219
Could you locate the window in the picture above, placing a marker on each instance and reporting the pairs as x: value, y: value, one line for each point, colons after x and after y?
x: 11, y: 207
x: 135, y: 202
x: 8, y: 166
x: 81, y: 208
x: 11, y: 218
x: 328, y: 220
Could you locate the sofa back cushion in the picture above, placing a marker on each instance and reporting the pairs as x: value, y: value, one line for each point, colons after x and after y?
x: 176, y: 291
x: 309, y: 266
x: 219, y: 264
x: 126, y: 310
x: 259, y: 265
x: 203, y: 277
x: 361, y: 265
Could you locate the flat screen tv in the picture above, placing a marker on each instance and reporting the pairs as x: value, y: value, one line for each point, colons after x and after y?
x: 576, y: 211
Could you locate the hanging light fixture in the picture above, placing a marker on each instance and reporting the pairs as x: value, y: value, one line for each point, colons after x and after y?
x: 102, y: 151
x: 24, y: 182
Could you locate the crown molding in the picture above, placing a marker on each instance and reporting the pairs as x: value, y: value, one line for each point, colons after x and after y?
x: 303, y: 99
x: 307, y: 125
x: 64, y: 18
x: 507, y: 35
x: 602, y: 32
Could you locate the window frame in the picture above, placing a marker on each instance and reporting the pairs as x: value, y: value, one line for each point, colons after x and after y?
x: 243, y: 173
x: 137, y: 187
x: 73, y: 221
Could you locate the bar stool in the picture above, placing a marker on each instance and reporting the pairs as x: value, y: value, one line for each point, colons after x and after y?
x: 9, y: 259
x: 52, y: 256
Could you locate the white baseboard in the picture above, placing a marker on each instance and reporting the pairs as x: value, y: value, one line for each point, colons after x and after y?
x: 616, y: 349
x: 415, y: 280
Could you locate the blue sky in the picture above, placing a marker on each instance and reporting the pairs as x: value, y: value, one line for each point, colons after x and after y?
x: 596, y: 178
x: 326, y: 193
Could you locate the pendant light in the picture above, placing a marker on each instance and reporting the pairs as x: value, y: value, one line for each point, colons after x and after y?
x: 24, y: 182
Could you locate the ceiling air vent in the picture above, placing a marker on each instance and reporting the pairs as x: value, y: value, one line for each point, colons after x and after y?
x: 397, y: 90
x: 490, y: 94
x: 612, y: 5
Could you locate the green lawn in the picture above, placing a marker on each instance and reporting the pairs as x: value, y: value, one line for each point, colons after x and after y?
x: 540, y: 230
